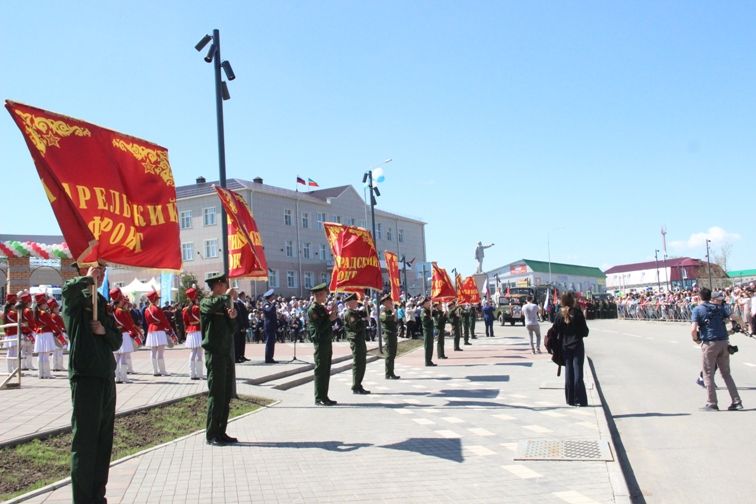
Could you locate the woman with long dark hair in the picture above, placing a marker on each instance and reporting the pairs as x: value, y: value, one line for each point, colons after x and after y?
x: 571, y: 328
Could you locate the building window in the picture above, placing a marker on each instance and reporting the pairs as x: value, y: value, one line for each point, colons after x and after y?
x: 291, y: 279
x: 289, y: 249
x: 186, y: 219
x: 187, y: 251
x: 305, y: 220
x: 379, y: 231
x: 235, y: 284
x: 287, y: 216
x: 272, y: 278
x: 306, y: 250
x: 323, y: 253
x: 352, y: 221
x: 363, y: 223
x: 211, y: 273
x: 208, y: 216
x: 321, y: 217
x: 400, y: 236
x: 308, y: 276
x: 389, y: 234
x: 211, y: 248
x: 324, y: 277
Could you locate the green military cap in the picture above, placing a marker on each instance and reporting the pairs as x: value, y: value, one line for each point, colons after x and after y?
x: 320, y: 287
x: 350, y: 297
x: 212, y: 280
x: 385, y: 297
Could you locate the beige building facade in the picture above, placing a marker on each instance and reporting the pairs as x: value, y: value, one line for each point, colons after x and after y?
x: 290, y: 225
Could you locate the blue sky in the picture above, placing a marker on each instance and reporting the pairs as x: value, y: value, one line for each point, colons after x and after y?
x: 591, y: 124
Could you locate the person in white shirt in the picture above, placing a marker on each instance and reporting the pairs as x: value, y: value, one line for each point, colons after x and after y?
x: 530, y: 312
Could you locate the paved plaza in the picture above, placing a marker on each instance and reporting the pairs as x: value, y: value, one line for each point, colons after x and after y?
x: 445, y: 434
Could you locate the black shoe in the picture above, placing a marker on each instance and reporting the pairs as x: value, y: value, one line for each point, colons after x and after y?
x: 443, y: 357
x: 710, y: 407
x: 331, y: 402
x: 474, y: 337
x: 360, y: 391
x: 271, y: 361
x: 215, y: 442
x: 156, y: 374
x: 228, y: 439
x: 244, y: 359
x: 468, y: 343
x: 430, y: 364
x: 458, y: 350
x: 195, y: 378
x: 319, y: 402
x: 736, y: 406
x: 395, y: 377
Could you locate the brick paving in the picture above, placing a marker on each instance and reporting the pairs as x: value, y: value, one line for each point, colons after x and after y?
x: 443, y: 434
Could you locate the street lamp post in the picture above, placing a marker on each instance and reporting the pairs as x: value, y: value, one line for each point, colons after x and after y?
x: 367, y: 177
x: 221, y: 94
x: 404, y: 273
x: 658, y: 281
x: 708, y: 263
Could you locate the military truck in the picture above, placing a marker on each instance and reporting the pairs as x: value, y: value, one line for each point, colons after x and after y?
x: 509, y: 305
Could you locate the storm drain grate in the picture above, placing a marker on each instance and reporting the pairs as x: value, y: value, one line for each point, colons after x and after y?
x: 541, y: 449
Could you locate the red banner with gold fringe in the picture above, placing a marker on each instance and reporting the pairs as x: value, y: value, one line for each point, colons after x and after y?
x: 355, y: 258
x: 246, y: 256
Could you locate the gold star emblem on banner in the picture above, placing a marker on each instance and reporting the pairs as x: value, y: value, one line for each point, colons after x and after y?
x: 51, y: 139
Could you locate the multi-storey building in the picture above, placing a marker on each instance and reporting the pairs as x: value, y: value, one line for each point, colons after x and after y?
x: 290, y: 225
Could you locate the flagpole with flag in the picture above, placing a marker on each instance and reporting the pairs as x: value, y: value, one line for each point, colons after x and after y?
x: 296, y: 226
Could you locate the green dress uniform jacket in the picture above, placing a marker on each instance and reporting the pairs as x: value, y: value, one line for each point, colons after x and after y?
x: 426, y: 319
x: 217, y: 337
x: 321, y: 334
x: 439, y: 321
x: 390, y: 328
x: 466, y: 323
x: 356, y: 332
x: 91, y: 369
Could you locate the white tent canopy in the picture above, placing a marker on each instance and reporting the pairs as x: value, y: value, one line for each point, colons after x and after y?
x: 137, y: 288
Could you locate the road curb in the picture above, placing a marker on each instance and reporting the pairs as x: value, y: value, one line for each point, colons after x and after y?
x: 620, y: 470
x: 61, y: 483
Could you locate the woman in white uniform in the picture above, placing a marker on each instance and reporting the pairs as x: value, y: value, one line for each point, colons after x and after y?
x: 191, y: 316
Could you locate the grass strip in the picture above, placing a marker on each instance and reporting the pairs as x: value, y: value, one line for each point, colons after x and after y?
x: 37, y: 463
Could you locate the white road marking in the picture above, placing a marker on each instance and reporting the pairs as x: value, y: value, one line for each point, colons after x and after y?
x: 479, y: 450
x: 452, y: 419
x: 387, y: 401
x: 573, y: 497
x: 412, y: 401
x: 424, y: 421
x: 431, y: 410
x: 588, y: 425
x: 552, y: 414
x: 403, y: 411
x: 447, y: 434
x: 504, y: 416
x: 749, y: 364
x: 419, y: 386
x: 510, y: 446
x: 521, y: 471
x: 518, y: 396
x: 537, y: 428
x: 479, y: 431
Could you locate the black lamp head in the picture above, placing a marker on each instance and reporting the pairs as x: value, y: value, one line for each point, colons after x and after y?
x: 228, y: 70
x: 202, y: 43
x: 210, y: 53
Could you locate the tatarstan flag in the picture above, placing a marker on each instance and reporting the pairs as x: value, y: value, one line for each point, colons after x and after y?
x: 112, y: 194
x: 355, y: 258
x: 246, y: 256
x: 441, y: 285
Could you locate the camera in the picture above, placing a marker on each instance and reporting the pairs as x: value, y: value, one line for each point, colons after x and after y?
x: 732, y: 349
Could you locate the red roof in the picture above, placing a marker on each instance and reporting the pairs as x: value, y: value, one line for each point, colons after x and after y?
x: 676, y: 262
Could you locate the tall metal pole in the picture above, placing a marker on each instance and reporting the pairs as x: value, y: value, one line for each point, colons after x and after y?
x: 708, y: 263
x: 375, y: 292
x: 404, y: 268
x: 548, y: 246
x: 299, y: 251
x: 221, y: 142
x: 658, y: 282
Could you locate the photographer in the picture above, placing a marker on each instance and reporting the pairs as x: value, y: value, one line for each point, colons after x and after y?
x: 708, y: 329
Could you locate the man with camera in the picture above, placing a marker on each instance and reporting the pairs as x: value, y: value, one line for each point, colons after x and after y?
x: 708, y: 329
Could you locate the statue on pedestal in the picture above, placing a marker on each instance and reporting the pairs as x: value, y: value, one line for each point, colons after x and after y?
x: 479, y: 255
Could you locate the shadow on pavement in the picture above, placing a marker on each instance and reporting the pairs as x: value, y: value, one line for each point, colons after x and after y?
x: 333, y: 446
x: 448, y: 449
x: 474, y: 393
x: 651, y: 414
x: 525, y: 364
x: 488, y: 378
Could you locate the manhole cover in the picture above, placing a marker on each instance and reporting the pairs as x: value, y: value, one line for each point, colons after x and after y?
x: 541, y: 449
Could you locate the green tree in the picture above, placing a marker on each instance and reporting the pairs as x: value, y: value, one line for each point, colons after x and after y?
x: 187, y: 280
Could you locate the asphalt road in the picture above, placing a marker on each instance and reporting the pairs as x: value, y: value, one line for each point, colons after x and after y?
x: 677, y: 453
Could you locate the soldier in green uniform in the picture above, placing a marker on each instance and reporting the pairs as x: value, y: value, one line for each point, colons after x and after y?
x: 473, y: 317
x: 319, y: 320
x: 439, y: 321
x: 217, y: 323
x: 455, y: 318
x: 355, y: 323
x: 466, y: 323
x: 426, y: 319
x: 389, y: 327
x: 91, y: 373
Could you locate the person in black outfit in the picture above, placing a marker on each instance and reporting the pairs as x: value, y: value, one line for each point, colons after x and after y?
x: 242, y: 324
x: 571, y: 328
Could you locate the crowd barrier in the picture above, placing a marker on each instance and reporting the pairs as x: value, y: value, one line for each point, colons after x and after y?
x: 665, y: 312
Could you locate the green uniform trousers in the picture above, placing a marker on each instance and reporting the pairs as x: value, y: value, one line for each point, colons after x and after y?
x: 466, y: 326
x: 93, y: 401
x: 359, y: 358
x: 322, y: 353
x: 440, y: 344
x: 472, y: 325
x: 428, y: 344
x: 220, y: 376
x: 391, y: 343
x: 457, y: 336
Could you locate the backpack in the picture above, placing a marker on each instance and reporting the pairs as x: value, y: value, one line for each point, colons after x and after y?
x: 553, y: 344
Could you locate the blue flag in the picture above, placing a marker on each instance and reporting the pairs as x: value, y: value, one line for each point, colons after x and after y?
x: 105, y: 287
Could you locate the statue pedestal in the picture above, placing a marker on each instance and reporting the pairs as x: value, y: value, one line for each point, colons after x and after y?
x: 480, y: 282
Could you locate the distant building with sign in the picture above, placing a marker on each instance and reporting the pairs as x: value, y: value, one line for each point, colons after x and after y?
x: 742, y: 276
x: 531, y: 273
x: 677, y: 273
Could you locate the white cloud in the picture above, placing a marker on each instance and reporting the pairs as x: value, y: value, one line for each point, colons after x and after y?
x: 697, y: 241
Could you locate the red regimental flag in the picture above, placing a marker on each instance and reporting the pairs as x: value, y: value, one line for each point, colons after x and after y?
x: 458, y: 288
x: 112, y: 194
x: 246, y: 257
x: 392, y: 265
x: 470, y: 291
x: 441, y: 285
x: 355, y: 259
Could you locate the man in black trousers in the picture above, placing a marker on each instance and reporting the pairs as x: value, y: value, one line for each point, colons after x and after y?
x: 242, y: 324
